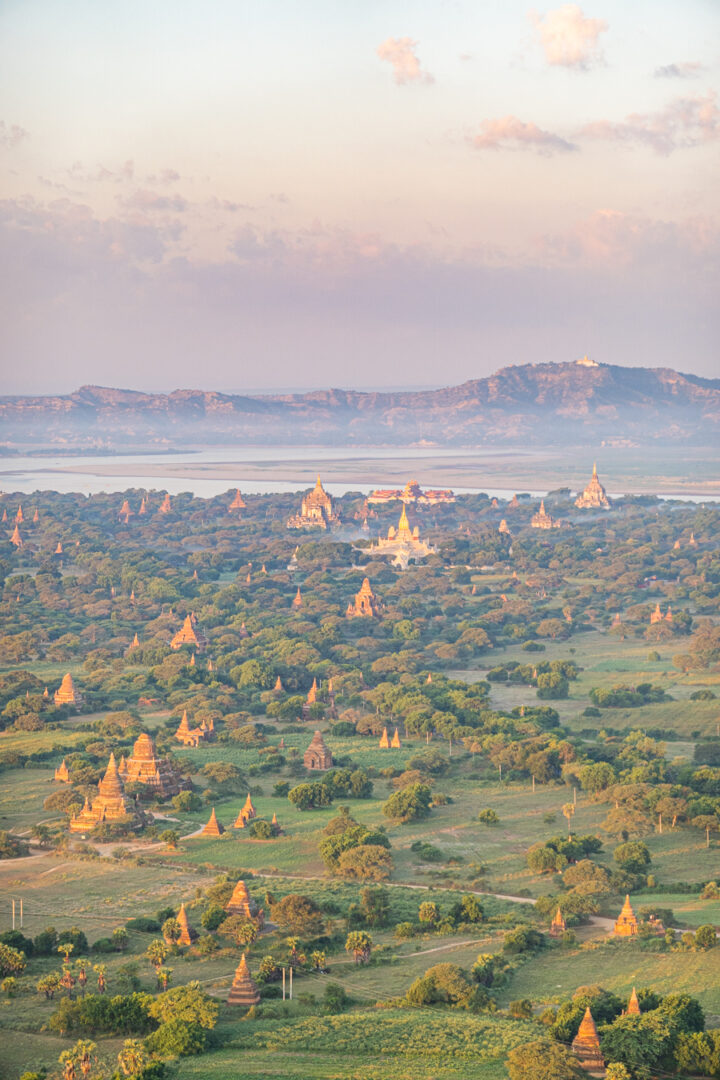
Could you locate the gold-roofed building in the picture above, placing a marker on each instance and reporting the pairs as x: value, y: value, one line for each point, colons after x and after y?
x: 145, y: 767
x: 190, y: 634
x: 213, y: 826
x: 62, y: 773
x: 243, y: 992
x: 317, y: 510
x: 67, y: 694
x: 241, y: 902
x: 626, y: 924
x: 108, y: 805
x: 238, y: 502
x: 558, y: 925
x: 317, y: 756
x: 586, y: 1046
x: 403, y: 543
x: 365, y: 603
x: 594, y: 497
x: 543, y: 520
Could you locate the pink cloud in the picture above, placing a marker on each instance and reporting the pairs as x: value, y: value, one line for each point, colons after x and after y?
x: 400, y: 53
x: 613, y: 238
x: 509, y: 133
x: 121, y: 174
x: 11, y: 135
x: 684, y: 123
x: 569, y: 38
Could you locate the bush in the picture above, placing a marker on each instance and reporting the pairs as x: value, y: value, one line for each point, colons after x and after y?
x: 335, y: 1000
x: 488, y: 817
x: 143, y: 924
x: 410, y: 804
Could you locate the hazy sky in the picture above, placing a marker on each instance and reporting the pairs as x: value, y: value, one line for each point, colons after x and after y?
x: 238, y: 194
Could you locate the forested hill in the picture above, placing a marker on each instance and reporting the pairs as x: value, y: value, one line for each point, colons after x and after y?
x: 528, y: 404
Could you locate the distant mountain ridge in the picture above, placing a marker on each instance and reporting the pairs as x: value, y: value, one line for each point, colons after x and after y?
x: 530, y: 404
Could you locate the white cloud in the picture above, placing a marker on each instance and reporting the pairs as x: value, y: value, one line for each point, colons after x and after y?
x: 569, y: 38
x: 509, y: 133
x: 400, y: 53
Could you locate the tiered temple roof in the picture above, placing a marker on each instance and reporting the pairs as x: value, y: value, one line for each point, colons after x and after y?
x: 626, y: 924
x: 66, y: 694
x: 317, y: 756
x: 108, y: 805
x: 190, y: 634
x: 404, y: 543
x: 316, y: 511
x: 543, y: 520
x: 365, y: 603
x: 145, y: 767
x: 238, y: 502
x: 243, y: 991
x: 594, y: 497
x: 633, y: 1008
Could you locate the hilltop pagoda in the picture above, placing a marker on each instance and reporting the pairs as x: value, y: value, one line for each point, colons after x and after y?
x: 317, y: 756
x: 66, y: 694
x: 190, y: 634
x: 145, y: 767
x: 365, y: 603
x: 543, y: 520
x: 213, y: 826
x: 317, y: 510
x: 626, y: 924
x: 586, y: 1046
x: 243, y: 992
x: 594, y: 496
x: 108, y: 805
x: 238, y: 502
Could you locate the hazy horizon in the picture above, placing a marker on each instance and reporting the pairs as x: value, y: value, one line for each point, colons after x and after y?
x: 317, y: 195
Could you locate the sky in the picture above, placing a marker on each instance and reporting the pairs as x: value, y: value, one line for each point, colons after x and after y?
x: 235, y: 194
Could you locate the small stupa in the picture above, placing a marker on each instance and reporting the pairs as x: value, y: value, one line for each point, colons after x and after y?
x: 586, y: 1046
x: 238, y: 502
x: 166, y: 506
x: 558, y: 925
x: 626, y: 924
x: 185, y: 931
x: 62, y: 773
x: 213, y: 826
x: 633, y: 1008
x: 16, y: 538
x: 243, y: 991
x: 395, y: 741
x: 241, y: 903
x: 297, y: 602
x: 66, y: 694
x: 384, y: 743
x: 317, y: 756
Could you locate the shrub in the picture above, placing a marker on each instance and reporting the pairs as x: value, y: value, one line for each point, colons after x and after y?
x: 410, y: 804
x: 488, y: 817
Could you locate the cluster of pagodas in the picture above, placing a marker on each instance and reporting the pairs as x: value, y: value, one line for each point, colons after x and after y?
x: 247, y: 814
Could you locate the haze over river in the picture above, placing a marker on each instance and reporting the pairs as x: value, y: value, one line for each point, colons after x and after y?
x: 689, y: 473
